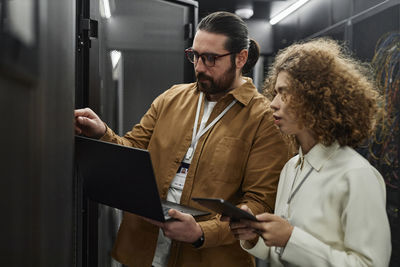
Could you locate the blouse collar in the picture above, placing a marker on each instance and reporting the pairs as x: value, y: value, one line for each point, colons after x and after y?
x: 318, y: 155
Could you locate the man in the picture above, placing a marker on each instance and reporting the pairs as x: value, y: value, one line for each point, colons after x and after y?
x: 213, y: 138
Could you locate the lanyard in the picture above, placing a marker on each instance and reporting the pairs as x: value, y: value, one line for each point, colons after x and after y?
x: 196, y: 135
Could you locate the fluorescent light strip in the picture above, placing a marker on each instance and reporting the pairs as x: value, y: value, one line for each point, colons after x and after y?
x: 107, y: 10
x: 283, y: 14
x: 115, y: 57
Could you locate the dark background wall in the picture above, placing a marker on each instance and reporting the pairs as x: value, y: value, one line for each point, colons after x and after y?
x: 36, y: 137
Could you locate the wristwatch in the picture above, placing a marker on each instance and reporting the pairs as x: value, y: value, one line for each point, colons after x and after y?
x: 199, y: 242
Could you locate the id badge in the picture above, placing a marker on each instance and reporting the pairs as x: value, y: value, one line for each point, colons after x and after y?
x: 179, y: 180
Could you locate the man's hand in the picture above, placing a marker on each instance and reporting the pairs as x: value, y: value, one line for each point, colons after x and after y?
x: 88, y: 123
x: 184, y: 228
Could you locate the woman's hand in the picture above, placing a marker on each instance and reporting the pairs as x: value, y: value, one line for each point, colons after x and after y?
x: 242, y: 231
x: 275, y: 230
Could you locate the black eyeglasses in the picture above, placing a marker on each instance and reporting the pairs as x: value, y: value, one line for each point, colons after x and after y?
x: 207, y: 58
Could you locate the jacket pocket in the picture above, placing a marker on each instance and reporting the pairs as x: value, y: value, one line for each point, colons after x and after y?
x: 228, y: 159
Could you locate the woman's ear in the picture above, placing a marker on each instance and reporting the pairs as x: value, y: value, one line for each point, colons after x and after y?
x: 241, y: 58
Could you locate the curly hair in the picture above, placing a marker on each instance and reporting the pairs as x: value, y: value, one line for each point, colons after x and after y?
x: 332, y: 94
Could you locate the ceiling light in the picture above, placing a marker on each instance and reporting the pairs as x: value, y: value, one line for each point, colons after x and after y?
x: 283, y: 14
x: 244, y: 13
x: 106, y: 8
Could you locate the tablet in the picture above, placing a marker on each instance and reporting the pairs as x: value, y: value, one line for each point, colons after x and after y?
x: 225, y: 208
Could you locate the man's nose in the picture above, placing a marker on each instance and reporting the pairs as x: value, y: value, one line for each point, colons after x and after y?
x: 199, y: 65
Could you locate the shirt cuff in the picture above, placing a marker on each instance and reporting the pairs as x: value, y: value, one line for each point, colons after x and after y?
x: 108, y: 135
x: 209, y: 229
x: 260, y: 250
x: 302, y: 248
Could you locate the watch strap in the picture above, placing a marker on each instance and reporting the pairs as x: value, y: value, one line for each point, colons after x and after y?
x: 199, y: 242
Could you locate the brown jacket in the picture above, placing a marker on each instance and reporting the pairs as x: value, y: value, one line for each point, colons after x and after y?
x: 239, y: 159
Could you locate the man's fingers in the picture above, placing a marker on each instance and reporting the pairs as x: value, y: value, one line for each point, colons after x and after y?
x: 177, y: 214
x: 78, y: 112
x: 78, y: 130
x: 85, y: 112
x: 84, y: 121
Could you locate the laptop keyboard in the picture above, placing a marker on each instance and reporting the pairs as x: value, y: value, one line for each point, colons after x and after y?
x: 167, y: 205
x: 165, y: 210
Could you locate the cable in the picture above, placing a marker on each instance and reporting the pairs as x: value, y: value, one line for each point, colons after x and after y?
x: 384, y: 145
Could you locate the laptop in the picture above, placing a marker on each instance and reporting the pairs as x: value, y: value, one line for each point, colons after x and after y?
x: 122, y: 177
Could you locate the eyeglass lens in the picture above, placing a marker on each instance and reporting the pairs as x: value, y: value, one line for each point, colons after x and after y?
x: 208, y: 59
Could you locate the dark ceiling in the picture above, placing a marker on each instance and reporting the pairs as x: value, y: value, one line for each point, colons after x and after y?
x: 261, y: 7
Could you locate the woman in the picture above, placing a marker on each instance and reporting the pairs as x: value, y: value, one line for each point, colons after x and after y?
x: 330, y: 206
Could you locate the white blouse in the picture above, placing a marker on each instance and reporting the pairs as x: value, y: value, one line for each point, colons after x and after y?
x: 338, y: 212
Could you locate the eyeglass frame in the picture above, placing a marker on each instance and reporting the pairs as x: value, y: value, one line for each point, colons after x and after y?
x: 204, y: 56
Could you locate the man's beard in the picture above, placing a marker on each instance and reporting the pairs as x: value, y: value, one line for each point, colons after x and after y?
x: 208, y: 85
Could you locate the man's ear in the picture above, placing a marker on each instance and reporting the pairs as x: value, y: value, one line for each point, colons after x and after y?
x: 241, y: 58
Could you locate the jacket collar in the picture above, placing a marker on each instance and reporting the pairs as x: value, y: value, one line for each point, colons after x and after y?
x: 244, y: 93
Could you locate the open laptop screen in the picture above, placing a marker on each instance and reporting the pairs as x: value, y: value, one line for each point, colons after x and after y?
x: 121, y: 177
